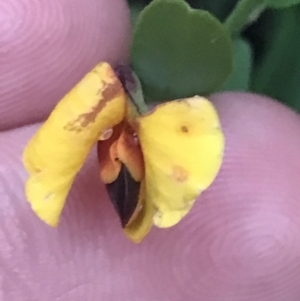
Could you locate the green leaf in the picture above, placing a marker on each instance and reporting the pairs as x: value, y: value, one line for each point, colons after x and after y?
x: 278, y: 75
x: 240, y: 77
x: 134, y: 12
x: 281, y: 3
x: 179, y: 52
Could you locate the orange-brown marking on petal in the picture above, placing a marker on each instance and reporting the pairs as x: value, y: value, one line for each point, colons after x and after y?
x: 179, y: 174
x: 184, y: 129
x: 109, y: 92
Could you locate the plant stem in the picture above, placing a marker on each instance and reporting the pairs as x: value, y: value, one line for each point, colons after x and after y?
x: 245, y: 12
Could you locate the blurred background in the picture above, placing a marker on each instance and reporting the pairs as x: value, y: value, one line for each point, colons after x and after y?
x: 267, y: 56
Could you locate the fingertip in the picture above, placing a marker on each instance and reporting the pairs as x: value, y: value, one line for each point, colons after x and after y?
x: 49, y: 46
x: 241, y: 236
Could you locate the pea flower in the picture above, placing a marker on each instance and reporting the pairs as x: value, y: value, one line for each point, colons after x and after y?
x: 154, y: 164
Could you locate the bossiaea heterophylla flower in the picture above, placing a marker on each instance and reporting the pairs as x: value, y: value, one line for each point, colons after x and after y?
x: 154, y: 165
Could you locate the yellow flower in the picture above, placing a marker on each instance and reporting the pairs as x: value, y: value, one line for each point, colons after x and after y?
x: 154, y: 165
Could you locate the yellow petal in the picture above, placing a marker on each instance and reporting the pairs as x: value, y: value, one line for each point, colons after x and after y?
x: 142, y: 220
x: 58, y: 150
x: 182, y: 144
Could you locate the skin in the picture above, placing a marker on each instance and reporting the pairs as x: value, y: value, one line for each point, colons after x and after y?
x: 241, y: 241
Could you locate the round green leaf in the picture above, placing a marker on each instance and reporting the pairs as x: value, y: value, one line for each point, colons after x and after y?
x: 281, y: 3
x: 278, y: 75
x: 239, y: 79
x: 179, y: 52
